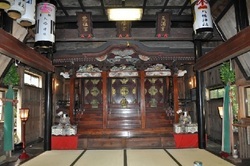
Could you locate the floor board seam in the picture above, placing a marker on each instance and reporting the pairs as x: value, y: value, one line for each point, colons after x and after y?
x: 177, y: 162
x: 73, y: 163
x: 125, y: 158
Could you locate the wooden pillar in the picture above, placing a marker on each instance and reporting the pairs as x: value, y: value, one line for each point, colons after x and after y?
x: 175, y: 98
x: 6, y: 23
x: 71, y: 98
x: 142, y: 102
x: 200, y: 100
x: 48, y: 109
x: 104, y: 98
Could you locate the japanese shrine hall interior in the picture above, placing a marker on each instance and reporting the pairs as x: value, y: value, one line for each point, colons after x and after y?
x: 123, y: 82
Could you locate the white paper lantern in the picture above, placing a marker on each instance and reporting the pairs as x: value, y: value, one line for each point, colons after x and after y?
x: 17, y: 9
x: 203, y: 25
x: 28, y: 18
x: 5, y: 4
x: 45, y: 25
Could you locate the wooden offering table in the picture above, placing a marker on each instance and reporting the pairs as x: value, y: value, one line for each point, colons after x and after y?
x: 186, y: 140
x: 64, y: 142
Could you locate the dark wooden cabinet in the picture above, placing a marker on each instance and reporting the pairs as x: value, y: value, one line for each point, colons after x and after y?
x: 124, y: 110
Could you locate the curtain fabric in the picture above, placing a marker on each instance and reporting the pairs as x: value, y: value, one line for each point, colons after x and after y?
x: 8, y: 121
x: 226, y: 141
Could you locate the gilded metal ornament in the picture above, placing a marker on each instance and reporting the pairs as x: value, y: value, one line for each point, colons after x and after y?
x: 113, y: 91
x: 152, y: 80
x: 94, y: 91
x: 124, y: 81
x: 152, y: 91
x: 86, y: 91
x: 124, y: 91
x: 134, y: 91
x: 95, y: 81
x: 161, y: 90
x: 124, y: 102
x: 94, y: 103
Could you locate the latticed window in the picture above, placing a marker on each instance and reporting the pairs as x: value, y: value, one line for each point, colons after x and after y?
x: 32, y: 79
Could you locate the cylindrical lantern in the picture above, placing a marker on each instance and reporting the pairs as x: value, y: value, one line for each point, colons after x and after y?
x: 203, y: 25
x: 24, y: 114
x: 45, y: 25
x: 4, y: 4
x: 28, y: 18
x: 17, y: 9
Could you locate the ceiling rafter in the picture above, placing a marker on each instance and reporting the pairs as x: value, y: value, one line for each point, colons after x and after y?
x: 144, y: 6
x: 165, y: 5
x: 103, y: 7
x: 183, y: 7
x: 228, y: 6
x: 82, y: 6
x: 62, y: 7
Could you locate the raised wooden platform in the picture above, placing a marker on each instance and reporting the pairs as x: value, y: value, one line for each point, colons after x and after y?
x: 139, y: 138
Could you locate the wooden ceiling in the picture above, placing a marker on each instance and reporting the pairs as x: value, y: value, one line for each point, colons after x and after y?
x: 143, y: 36
x: 180, y: 9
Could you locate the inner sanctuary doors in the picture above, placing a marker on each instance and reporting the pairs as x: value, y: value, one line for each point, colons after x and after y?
x: 130, y: 102
x: 124, y: 103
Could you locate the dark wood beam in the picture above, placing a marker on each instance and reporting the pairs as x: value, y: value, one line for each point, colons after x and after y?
x: 225, y: 10
x: 144, y: 6
x: 62, y: 7
x: 183, y: 7
x: 13, y: 48
x: 146, y: 34
x: 82, y: 6
x: 164, y: 6
x: 103, y: 9
x: 101, y: 18
x: 232, y: 48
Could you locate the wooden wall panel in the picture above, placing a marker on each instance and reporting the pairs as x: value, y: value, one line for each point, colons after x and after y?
x: 157, y: 119
x: 212, y: 77
x: 115, y: 143
x: 89, y: 120
x: 32, y: 98
x: 124, y: 118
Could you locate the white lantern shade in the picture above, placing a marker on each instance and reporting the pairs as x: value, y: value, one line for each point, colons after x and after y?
x: 17, y: 9
x: 202, y: 16
x: 28, y: 18
x: 45, y: 23
x: 5, y: 4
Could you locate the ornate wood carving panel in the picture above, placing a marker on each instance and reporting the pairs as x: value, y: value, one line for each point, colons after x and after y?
x: 157, y: 112
x: 92, y: 93
x: 154, y: 92
x: 124, y: 109
x: 91, y: 116
x: 124, y: 91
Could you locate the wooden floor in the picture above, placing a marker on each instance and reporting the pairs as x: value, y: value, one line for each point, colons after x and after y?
x: 128, y: 157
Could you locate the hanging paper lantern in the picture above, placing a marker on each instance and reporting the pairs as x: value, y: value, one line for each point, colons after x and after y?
x: 28, y: 18
x: 6, y: 4
x: 203, y: 25
x: 45, y: 25
x: 17, y: 9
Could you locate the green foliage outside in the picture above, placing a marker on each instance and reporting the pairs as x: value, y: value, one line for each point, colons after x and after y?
x: 227, y: 75
x: 12, y: 77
